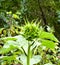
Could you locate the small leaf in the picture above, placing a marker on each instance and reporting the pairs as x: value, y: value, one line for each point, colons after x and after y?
x: 8, y: 38
x: 15, y: 16
x: 49, y: 64
x: 9, y: 12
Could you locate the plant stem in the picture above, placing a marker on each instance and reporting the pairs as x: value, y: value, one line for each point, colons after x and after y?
x: 28, y: 56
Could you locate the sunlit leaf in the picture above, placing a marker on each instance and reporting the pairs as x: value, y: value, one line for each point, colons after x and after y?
x: 35, y: 59
x: 48, y: 44
x: 23, y: 59
x: 22, y: 42
x: 15, y: 16
x: 47, y: 35
x: 8, y: 38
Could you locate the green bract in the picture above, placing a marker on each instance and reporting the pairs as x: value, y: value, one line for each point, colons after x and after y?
x: 30, y: 31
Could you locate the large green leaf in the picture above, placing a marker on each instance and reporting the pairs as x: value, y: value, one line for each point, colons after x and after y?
x: 22, y: 42
x: 47, y: 35
x: 34, y: 60
x: 48, y: 44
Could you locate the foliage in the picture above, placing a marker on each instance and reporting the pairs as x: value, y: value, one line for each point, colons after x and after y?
x: 25, y: 51
x: 29, y: 42
x: 9, y: 5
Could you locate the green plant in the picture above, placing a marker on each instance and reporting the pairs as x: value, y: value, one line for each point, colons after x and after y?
x: 30, y: 51
x: 20, y: 48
